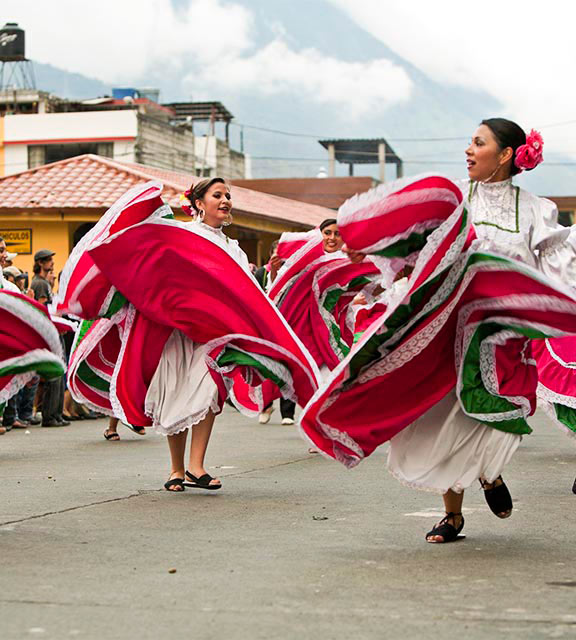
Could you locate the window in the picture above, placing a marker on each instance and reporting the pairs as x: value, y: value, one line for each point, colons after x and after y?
x: 46, y: 153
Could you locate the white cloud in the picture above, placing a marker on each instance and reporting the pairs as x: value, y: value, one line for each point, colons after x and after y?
x: 118, y: 40
x: 357, y: 87
x: 522, y: 52
x: 121, y: 40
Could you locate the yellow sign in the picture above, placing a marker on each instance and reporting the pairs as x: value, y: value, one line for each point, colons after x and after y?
x: 18, y: 240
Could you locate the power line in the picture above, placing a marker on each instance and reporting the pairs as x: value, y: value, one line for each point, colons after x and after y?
x: 300, y: 134
x: 296, y: 134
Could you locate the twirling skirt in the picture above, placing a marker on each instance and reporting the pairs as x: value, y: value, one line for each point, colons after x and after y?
x: 182, y: 391
x: 445, y: 449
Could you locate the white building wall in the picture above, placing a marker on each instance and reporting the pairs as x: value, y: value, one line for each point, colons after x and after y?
x: 205, y: 152
x: 39, y: 128
x: 15, y: 158
x: 118, y: 127
x: 124, y: 151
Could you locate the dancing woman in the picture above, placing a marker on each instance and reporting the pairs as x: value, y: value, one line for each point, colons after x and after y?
x: 315, y: 288
x: 452, y: 355
x: 510, y: 221
x: 182, y: 393
x: 168, y: 354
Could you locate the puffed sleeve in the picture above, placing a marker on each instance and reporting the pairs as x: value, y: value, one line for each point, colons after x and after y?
x: 238, y: 254
x: 554, y: 245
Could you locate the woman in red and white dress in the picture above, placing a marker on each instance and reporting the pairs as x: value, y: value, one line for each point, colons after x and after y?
x: 447, y: 450
x: 168, y: 354
x: 452, y: 356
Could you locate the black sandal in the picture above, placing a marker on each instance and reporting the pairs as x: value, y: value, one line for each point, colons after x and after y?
x: 498, y: 498
x: 111, y: 435
x: 448, y: 531
x: 174, y: 482
x: 574, y: 487
x: 141, y: 431
x: 203, y: 482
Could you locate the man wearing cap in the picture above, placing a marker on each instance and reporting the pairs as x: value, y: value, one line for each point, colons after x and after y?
x: 53, y: 396
x: 43, y: 266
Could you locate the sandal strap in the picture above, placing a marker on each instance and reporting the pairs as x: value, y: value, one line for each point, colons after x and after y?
x: 174, y: 482
x: 202, y: 481
x: 448, y: 531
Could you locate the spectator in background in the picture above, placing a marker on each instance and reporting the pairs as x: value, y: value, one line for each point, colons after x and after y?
x: 42, y: 283
x: 265, y: 276
x: 9, y: 275
x: 5, y: 284
x: 43, y: 267
x: 19, y: 278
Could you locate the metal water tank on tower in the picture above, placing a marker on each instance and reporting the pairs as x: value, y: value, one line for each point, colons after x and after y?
x: 16, y: 71
x: 12, y: 43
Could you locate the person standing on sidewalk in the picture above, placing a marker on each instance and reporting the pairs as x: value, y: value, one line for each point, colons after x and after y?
x: 265, y: 275
x: 41, y: 285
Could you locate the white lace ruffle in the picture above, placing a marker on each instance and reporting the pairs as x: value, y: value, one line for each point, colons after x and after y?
x: 550, y: 411
x: 14, y: 386
x: 356, y: 208
x: 186, y: 422
x: 40, y: 323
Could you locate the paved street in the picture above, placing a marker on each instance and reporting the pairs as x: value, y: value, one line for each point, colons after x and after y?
x: 293, y: 546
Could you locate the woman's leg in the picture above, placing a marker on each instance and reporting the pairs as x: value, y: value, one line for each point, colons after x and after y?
x: 200, y: 437
x: 177, y: 446
x: 112, y: 432
x: 452, y: 504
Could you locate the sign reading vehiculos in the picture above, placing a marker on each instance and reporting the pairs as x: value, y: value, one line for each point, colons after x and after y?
x: 18, y: 240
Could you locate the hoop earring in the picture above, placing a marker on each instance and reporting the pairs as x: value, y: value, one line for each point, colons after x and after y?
x: 228, y: 221
x: 491, y: 175
x: 200, y: 216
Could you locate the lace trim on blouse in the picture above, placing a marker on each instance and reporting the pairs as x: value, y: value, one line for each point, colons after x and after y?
x: 496, y: 205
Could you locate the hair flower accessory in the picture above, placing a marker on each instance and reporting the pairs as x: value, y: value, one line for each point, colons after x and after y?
x: 186, y: 204
x: 529, y: 155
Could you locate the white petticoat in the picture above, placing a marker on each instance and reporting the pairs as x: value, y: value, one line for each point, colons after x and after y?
x: 445, y: 449
x: 182, y: 390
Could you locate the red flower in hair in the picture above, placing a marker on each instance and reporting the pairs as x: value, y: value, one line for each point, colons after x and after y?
x: 530, y: 155
x: 185, y: 203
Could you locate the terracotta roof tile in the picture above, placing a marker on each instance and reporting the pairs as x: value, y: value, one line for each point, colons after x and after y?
x: 94, y: 181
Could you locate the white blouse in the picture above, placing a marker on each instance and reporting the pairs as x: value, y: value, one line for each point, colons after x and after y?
x: 520, y: 225
x: 230, y: 245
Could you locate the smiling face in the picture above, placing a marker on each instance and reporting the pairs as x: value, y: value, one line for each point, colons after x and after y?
x: 216, y: 204
x: 331, y: 239
x: 485, y: 160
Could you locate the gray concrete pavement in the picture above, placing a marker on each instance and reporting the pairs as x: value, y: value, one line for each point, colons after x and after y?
x: 293, y: 546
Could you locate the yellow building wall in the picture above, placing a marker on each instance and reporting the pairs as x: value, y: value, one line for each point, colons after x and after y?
x: 45, y: 235
x: 56, y: 234
x: 2, y: 154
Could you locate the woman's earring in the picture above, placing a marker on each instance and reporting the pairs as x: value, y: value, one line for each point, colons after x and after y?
x: 228, y: 221
x: 201, y: 214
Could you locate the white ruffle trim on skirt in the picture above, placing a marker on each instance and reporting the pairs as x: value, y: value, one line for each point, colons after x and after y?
x: 182, y: 391
x: 445, y: 449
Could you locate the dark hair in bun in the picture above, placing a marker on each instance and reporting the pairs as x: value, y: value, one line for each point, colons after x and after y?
x: 507, y: 134
x: 327, y: 223
x: 199, y: 190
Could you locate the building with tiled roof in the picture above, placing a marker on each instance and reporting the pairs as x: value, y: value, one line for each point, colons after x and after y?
x: 53, y: 205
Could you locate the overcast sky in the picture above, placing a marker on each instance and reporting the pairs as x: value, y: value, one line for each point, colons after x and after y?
x: 521, y: 51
